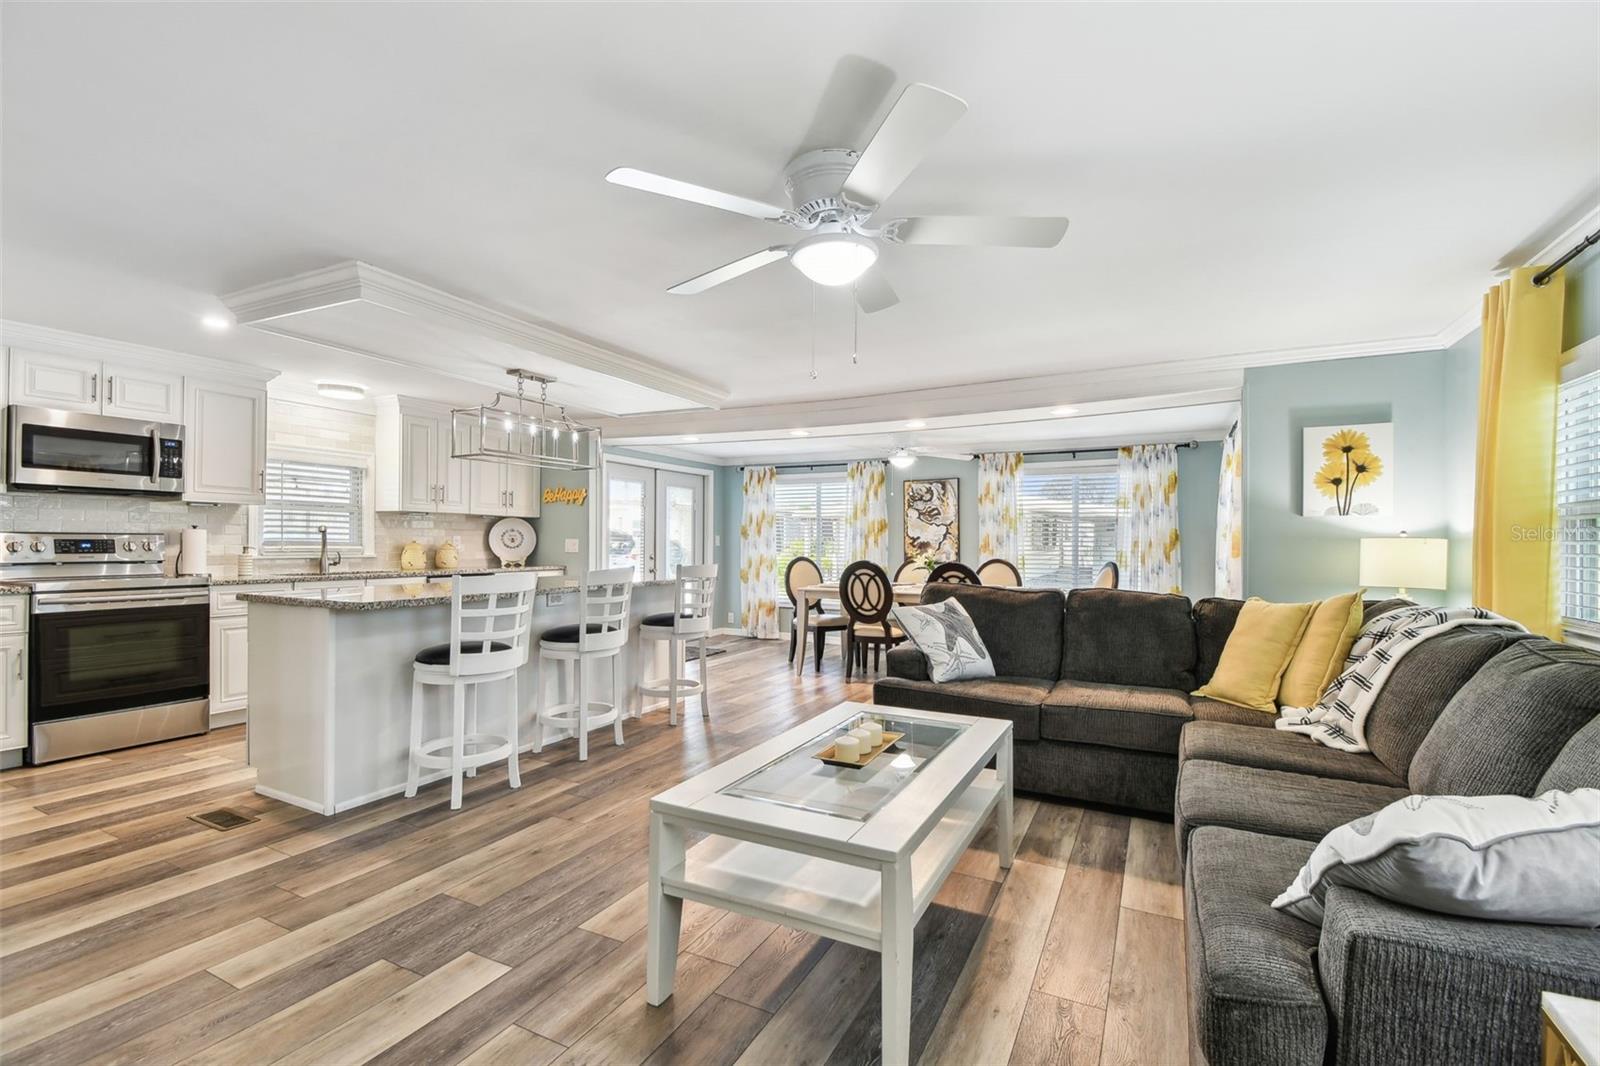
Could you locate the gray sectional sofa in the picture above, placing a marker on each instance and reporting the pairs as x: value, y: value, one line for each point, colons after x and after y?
x: 1097, y: 685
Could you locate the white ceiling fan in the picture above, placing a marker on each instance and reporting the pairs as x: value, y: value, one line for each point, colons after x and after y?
x: 836, y: 193
x: 903, y: 457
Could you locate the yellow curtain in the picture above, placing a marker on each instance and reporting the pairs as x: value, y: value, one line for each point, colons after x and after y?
x: 1513, y: 539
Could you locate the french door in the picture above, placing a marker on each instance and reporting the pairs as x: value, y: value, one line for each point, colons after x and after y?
x: 655, y: 520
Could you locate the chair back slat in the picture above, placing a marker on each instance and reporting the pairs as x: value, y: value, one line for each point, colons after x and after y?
x: 999, y: 573
x: 865, y: 592
x: 1108, y: 577
x: 490, y: 619
x: 697, y: 593
x: 603, y: 601
x: 953, y: 574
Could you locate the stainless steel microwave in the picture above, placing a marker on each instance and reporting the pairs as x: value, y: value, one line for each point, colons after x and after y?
x: 50, y: 449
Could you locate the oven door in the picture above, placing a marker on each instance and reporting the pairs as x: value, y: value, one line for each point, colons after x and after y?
x: 52, y: 449
x: 92, y: 652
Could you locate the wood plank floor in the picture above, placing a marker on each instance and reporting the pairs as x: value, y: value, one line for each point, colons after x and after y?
x: 512, y: 931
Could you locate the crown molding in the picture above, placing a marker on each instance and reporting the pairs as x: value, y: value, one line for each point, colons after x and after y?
x: 352, y: 281
x: 63, y: 342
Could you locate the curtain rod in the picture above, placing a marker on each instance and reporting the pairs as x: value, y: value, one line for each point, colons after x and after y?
x: 813, y: 467
x: 1544, y: 276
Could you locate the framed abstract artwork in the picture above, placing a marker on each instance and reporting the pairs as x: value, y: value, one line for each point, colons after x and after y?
x: 933, y: 519
x: 1349, y: 471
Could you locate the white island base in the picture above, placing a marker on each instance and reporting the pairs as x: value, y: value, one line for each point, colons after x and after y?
x: 330, y: 687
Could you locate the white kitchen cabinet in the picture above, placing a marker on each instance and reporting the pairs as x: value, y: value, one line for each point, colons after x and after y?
x: 95, y: 386
x: 139, y: 393
x: 414, y: 469
x: 65, y: 382
x: 13, y: 690
x: 225, y: 453
x: 504, y: 489
x: 230, y: 658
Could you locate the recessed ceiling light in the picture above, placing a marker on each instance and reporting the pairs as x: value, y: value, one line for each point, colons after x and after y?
x: 1064, y: 411
x: 799, y: 433
x: 217, y: 323
x: 690, y: 440
x: 916, y: 423
x: 335, y: 390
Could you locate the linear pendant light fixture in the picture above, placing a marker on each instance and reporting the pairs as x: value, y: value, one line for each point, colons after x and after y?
x: 526, y: 436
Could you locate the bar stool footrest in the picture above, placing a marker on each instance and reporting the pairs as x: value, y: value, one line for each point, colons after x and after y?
x: 661, y: 686
x: 565, y: 715
x: 428, y: 753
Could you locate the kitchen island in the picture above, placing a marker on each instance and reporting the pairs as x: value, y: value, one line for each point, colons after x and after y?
x: 330, y: 685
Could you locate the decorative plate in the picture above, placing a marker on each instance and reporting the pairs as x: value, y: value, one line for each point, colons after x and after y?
x: 512, y: 541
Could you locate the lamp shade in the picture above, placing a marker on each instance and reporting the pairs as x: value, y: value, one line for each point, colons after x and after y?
x: 1404, y: 562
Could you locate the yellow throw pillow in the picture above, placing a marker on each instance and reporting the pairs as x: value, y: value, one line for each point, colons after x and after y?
x: 1257, y: 653
x: 1334, y: 626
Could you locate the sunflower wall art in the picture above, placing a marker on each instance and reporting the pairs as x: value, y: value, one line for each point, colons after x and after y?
x: 1349, y: 470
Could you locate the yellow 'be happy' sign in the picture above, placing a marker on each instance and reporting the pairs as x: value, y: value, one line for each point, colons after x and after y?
x: 561, y: 495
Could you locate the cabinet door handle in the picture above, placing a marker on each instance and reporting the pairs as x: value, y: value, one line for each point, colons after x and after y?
x: 261, y: 480
x: 20, y: 661
x: 111, y: 388
x: 94, y: 386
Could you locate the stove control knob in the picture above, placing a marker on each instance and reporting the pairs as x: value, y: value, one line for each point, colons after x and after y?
x: 128, y: 545
x: 149, y: 545
x: 37, y: 546
x: 13, y: 546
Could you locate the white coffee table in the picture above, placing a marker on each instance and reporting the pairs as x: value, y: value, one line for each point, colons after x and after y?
x: 851, y: 854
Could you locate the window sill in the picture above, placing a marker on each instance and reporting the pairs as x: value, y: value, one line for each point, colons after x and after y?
x: 1581, y: 634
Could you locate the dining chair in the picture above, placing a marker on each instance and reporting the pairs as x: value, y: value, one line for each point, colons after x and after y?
x: 1108, y: 577
x: 1000, y: 573
x: 953, y: 574
x: 801, y: 573
x: 910, y: 572
x: 867, y: 598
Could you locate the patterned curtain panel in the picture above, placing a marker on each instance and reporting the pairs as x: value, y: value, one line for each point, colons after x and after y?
x: 758, y: 554
x: 999, y: 515
x: 1230, y: 518
x: 1147, y: 518
x: 869, y: 512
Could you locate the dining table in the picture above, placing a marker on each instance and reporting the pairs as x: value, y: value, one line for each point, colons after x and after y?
x: 904, y: 592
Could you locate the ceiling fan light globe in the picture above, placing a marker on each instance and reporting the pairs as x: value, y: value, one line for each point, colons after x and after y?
x: 834, y: 258
x: 901, y: 459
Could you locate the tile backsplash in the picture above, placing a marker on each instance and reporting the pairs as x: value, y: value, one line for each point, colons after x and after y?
x: 290, y: 424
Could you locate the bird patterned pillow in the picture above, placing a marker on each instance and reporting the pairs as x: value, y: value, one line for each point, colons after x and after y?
x: 944, y: 633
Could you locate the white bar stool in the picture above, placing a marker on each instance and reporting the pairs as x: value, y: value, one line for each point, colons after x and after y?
x: 691, y: 620
x: 489, y: 621
x: 601, y: 632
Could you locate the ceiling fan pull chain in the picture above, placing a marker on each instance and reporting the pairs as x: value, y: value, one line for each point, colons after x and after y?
x: 855, y: 328
x: 813, y: 332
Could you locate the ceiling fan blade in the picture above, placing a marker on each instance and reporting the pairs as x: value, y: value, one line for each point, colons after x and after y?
x: 697, y: 194
x: 935, y: 453
x: 995, y: 231
x: 873, y: 291
x: 711, y: 278
x: 918, y: 119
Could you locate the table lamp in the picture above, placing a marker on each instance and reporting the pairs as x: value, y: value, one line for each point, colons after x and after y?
x: 1404, y: 562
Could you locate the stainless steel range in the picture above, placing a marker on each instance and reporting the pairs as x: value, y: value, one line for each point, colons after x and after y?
x: 118, y: 653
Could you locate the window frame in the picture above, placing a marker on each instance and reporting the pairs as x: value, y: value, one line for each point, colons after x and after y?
x: 1582, y: 362
x: 840, y: 477
x: 364, y: 461
x: 1076, y: 468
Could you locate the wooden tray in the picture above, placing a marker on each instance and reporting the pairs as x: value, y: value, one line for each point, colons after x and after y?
x: 826, y: 754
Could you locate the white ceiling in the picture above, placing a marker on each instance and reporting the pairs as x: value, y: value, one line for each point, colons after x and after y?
x: 1241, y: 178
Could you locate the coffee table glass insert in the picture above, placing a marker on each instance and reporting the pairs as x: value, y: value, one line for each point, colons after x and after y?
x: 798, y: 779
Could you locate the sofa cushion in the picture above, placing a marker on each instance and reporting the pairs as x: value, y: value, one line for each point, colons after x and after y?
x: 1214, y: 619
x: 1020, y: 627
x: 1270, y: 801
x: 1503, y: 729
x: 1121, y: 637
x: 1121, y: 777
x: 1371, y: 609
x: 1273, y: 749
x: 1205, y: 709
x: 1578, y: 764
x: 1013, y: 699
x: 906, y: 661
x: 1118, y: 716
x: 1254, y: 996
x: 1422, y: 683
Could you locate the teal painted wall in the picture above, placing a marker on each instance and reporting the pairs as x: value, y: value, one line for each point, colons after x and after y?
x: 1462, y: 363
x: 1198, y: 472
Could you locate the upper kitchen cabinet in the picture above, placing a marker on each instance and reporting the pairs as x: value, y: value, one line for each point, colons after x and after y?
x: 414, y: 467
x: 95, y: 386
x: 504, y: 489
x: 226, y: 449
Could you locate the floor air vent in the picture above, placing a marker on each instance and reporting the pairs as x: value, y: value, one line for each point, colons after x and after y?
x: 224, y: 818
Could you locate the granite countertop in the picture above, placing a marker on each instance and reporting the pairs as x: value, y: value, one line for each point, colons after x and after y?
x: 312, y: 575
x: 387, y: 597
x: 15, y: 590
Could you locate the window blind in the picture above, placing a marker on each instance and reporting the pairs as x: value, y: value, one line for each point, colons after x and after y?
x: 1578, y: 499
x: 812, y: 514
x: 304, y: 495
x: 1069, y: 524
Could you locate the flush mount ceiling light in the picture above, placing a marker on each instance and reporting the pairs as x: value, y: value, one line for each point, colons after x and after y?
x: 1063, y: 412
x: 217, y: 323
x: 691, y: 440
x: 900, y: 458
x: 916, y: 423
x: 799, y: 433
x: 525, y: 432
x: 834, y: 258
x: 336, y: 391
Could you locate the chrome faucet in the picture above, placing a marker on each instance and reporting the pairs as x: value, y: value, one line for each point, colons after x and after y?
x: 324, y: 564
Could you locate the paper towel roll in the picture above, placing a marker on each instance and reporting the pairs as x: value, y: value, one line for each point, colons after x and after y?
x: 192, y: 552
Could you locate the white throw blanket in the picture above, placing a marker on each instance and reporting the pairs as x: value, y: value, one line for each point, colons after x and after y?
x: 1340, y: 717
